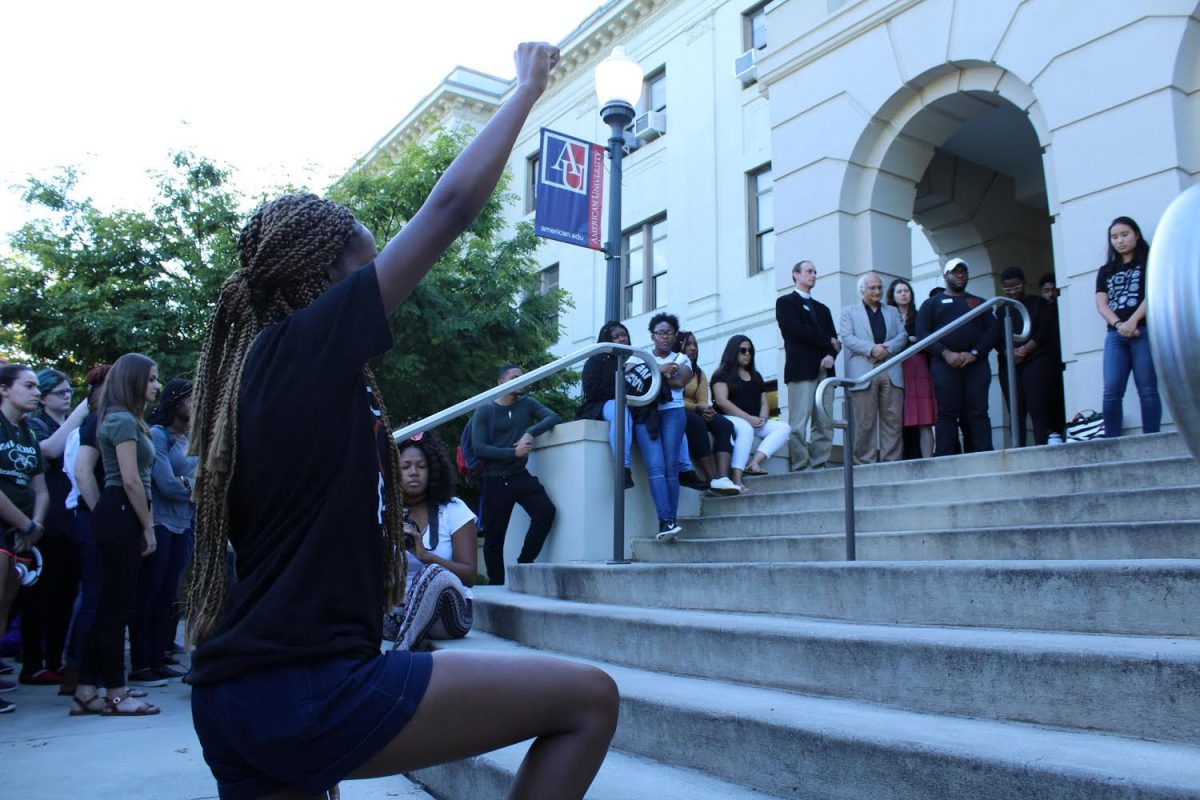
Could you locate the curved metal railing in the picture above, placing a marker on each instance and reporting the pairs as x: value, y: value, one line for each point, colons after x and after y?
x: 849, y: 384
x: 1172, y: 286
x: 558, y: 365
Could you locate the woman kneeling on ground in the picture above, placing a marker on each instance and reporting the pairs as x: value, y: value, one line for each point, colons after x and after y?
x: 298, y: 471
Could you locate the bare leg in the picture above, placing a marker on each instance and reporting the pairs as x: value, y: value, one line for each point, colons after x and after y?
x: 479, y: 702
x: 707, y: 469
x: 926, y: 433
x: 723, y: 462
x: 737, y: 477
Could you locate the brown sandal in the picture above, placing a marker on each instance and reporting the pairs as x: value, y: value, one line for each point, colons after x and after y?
x: 80, y: 708
x: 112, y: 708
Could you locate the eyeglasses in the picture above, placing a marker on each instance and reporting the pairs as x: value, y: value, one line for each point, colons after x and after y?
x: 746, y: 351
x: 664, y: 332
x: 65, y: 394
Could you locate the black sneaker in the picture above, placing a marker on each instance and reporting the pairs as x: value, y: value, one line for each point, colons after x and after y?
x: 6, y: 668
x: 6, y: 707
x: 164, y: 671
x: 628, y: 478
x: 667, y: 529
x: 7, y: 686
x: 146, y: 677
x: 690, y: 480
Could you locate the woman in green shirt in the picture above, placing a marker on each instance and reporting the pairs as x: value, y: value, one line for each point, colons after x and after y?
x: 124, y: 532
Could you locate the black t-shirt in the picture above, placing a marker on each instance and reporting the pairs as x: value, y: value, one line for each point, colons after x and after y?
x: 306, y: 505
x: 746, y: 395
x: 1125, y: 285
x: 88, y: 431
x: 20, y: 460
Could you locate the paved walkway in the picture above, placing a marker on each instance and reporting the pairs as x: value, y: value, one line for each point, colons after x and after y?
x: 47, y: 755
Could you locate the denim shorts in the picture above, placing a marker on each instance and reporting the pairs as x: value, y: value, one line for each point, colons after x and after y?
x: 305, y: 726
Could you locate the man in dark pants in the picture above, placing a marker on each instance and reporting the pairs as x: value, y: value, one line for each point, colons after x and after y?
x: 1058, y: 412
x: 502, y: 436
x: 958, y: 363
x: 1037, y: 367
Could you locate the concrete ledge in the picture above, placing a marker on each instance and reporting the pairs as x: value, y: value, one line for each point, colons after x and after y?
x: 1144, y: 597
x: 789, y: 745
x: 1145, y: 687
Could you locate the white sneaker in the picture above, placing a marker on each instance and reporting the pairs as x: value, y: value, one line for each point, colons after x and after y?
x: 724, y: 486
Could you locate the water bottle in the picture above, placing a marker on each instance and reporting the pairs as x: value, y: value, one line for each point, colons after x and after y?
x: 1054, y: 439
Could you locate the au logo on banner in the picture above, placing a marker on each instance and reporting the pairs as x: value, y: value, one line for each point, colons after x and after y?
x: 570, y: 190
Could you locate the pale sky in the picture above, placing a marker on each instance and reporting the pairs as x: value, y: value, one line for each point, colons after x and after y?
x: 279, y: 91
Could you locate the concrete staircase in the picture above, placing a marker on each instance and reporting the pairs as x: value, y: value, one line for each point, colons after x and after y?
x: 1021, y: 625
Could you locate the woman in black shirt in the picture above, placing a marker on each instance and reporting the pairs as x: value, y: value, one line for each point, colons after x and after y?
x: 1121, y: 302
x: 299, y: 472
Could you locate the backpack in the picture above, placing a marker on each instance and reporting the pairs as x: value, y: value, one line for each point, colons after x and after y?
x: 470, y: 465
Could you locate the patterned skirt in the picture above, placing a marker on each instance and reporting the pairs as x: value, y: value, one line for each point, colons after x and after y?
x: 435, y: 607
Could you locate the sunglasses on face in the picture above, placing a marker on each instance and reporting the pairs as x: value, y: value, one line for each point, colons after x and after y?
x: 746, y: 351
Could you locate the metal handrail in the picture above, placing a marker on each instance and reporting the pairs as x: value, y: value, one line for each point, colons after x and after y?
x: 1172, y: 282
x: 623, y: 351
x: 861, y: 382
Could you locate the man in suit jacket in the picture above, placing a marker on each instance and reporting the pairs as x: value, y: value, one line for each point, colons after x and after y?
x: 810, y: 345
x: 872, y: 333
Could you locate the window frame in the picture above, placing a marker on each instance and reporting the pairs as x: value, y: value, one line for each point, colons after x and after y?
x: 748, y: 17
x: 648, y: 274
x: 755, y: 234
x: 532, y: 164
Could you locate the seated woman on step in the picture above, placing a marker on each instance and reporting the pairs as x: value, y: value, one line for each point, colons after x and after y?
x: 740, y: 393
x: 442, y: 545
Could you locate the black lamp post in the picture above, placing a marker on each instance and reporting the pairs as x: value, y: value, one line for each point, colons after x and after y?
x: 618, y: 87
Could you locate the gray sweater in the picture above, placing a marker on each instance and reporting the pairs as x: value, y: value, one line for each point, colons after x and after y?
x: 496, y: 429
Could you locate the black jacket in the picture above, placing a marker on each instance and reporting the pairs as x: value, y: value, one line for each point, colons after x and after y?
x: 806, y: 326
x: 980, y: 334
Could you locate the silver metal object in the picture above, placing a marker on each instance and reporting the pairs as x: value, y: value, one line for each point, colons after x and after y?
x: 1172, y: 287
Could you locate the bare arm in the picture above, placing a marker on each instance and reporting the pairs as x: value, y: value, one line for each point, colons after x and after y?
x: 1104, y: 311
x: 464, y: 189
x: 465, y: 546
x: 53, y: 446
x: 11, y: 515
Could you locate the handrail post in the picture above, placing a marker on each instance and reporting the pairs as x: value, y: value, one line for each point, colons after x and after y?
x: 1011, y: 363
x: 848, y: 472
x: 619, y: 463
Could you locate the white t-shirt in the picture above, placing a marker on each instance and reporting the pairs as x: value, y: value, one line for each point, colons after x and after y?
x: 451, y: 517
x: 676, y: 391
x: 70, y: 452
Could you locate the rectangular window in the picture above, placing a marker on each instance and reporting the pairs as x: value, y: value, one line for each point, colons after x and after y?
x: 654, y: 91
x: 754, y: 27
x: 531, y: 181
x: 761, y: 219
x: 644, y: 266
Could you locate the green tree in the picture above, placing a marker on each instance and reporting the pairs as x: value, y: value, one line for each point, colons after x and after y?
x: 84, y: 286
x: 480, y: 307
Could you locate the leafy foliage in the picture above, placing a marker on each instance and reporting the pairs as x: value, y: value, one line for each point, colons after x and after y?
x: 479, y: 308
x: 84, y: 286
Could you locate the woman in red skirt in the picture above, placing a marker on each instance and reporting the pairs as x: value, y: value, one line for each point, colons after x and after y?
x: 920, y: 407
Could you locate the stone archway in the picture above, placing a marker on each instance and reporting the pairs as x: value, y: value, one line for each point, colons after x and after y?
x: 960, y: 151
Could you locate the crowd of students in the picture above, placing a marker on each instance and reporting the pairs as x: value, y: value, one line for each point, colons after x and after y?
x: 98, y: 497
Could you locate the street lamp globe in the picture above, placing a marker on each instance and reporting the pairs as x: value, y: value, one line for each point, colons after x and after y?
x: 618, y: 80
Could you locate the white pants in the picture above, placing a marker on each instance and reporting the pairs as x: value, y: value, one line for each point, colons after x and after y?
x: 774, y: 435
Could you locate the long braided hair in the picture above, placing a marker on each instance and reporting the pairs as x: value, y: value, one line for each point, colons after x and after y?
x: 286, y: 251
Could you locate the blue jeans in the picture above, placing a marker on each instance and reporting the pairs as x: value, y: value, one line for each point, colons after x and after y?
x: 1123, y: 355
x: 662, y: 459
x: 610, y: 409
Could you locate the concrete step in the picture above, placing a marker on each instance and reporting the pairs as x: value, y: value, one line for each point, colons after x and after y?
x: 794, y: 746
x: 1136, y: 505
x: 621, y: 777
x: 1145, y: 687
x: 1125, y: 450
x: 1053, y: 481
x: 1143, y: 597
x: 1116, y: 540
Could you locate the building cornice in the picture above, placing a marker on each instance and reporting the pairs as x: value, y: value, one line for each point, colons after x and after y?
x: 582, y: 49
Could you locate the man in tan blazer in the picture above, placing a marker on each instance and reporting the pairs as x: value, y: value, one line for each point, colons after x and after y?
x: 871, y: 333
